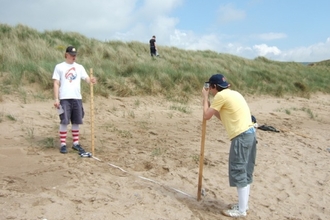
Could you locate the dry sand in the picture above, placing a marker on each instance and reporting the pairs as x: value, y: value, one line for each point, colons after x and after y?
x: 148, y: 161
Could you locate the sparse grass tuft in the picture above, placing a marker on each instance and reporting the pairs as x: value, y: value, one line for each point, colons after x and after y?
x: 30, y: 133
x: 2, y: 115
x: 11, y: 117
x: 121, y: 133
x: 287, y: 111
x: 157, y: 152
x: 47, y: 142
x: 181, y: 108
x: 170, y: 115
x: 143, y: 124
x: 195, y: 158
x: 309, y: 112
x: 137, y: 103
x: 131, y: 114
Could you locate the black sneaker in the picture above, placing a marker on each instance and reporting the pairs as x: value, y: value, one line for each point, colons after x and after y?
x: 63, y: 149
x: 78, y: 148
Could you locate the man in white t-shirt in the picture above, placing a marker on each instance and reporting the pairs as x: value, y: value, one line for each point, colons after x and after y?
x: 67, y: 79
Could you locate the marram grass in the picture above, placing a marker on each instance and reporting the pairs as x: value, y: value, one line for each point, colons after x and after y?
x: 127, y: 69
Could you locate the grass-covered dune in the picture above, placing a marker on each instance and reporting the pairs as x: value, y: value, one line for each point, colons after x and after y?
x: 28, y: 57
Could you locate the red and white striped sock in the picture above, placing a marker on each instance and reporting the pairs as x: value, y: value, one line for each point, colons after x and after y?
x: 63, y: 134
x: 75, y: 134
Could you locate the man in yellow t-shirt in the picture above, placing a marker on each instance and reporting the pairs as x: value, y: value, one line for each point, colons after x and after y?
x: 231, y: 108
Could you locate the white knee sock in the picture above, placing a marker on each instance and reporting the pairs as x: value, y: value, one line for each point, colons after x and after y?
x: 243, y: 198
x: 248, y: 195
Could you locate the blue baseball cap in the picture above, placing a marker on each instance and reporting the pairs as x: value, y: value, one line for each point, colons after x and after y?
x: 219, y: 80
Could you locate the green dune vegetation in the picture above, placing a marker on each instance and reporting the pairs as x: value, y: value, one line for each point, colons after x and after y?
x: 28, y: 58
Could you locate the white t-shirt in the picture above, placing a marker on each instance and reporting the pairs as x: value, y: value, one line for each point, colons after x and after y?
x: 70, y: 76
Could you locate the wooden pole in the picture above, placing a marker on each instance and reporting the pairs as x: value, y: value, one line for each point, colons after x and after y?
x: 201, y: 161
x: 92, y: 111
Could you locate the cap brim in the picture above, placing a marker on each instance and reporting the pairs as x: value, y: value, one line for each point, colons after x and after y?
x: 222, y: 86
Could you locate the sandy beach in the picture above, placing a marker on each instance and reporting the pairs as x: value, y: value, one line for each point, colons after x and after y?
x: 146, y: 164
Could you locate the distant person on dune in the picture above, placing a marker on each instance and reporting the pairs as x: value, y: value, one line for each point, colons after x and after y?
x: 153, y: 47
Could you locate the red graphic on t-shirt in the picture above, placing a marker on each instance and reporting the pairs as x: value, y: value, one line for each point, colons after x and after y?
x: 71, y: 74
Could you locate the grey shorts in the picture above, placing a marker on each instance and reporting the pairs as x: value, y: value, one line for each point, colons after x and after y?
x: 73, y: 111
x: 242, y: 158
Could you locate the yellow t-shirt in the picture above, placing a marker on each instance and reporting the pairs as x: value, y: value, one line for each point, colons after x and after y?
x: 234, y: 112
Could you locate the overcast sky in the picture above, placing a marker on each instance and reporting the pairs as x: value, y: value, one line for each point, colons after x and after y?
x: 283, y: 30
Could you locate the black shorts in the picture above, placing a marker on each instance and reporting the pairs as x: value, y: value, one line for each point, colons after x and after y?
x: 152, y: 50
x: 73, y: 111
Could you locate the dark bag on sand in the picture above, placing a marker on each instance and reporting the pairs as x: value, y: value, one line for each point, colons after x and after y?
x: 254, y: 120
x: 268, y: 128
